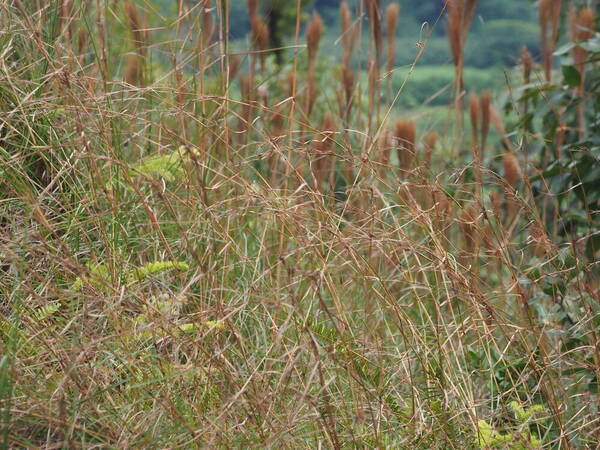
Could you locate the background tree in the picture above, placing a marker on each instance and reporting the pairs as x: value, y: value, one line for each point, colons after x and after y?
x: 281, y: 20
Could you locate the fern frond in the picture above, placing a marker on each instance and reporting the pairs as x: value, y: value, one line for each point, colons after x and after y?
x: 169, y: 166
x: 154, y: 268
x: 45, y: 312
x: 98, y: 277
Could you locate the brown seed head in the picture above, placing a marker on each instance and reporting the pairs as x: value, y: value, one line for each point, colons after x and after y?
x: 311, y: 92
x: 252, y: 9
x: 527, y: 63
x: 474, y: 109
x: 582, y: 28
x: 496, y: 202
x: 135, y: 26
x: 549, y: 15
x: 373, y: 8
x: 392, y: 13
x: 405, y: 140
x: 385, y: 147
x: 207, y: 25
x: 485, y: 118
x: 234, y: 66
x: 314, y: 30
x: 322, y: 148
x: 430, y: 141
x: 497, y: 122
x: 468, y: 225
x: 346, y: 28
x: 512, y: 172
x: 262, y: 34
x: 460, y: 15
x: 133, y: 70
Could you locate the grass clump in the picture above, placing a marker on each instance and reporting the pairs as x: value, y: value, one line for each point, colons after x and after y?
x: 210, y: 246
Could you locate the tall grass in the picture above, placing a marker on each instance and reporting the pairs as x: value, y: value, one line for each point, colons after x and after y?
x: 197, y: 250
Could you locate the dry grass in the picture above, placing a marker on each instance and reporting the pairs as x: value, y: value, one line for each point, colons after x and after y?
x: 215, y: 257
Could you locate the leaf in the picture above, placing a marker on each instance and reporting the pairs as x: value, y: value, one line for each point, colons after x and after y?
x: 571, y: 76
x: 45, y: 312
x: 98, y: 277
x: 165, y: 166
x: 168, y: 166
x: 154, y: 268
x: 563, y: 50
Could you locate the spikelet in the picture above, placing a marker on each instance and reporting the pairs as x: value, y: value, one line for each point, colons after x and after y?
x: 468, y: 227
x: 430, y: 141
x: 474, y: 109
x: 543, y: 15
x: 275, y: 132
x: 582, y: 26
x: 234, y: 67
x: 82, y: 41
x: 497, y: 121
x: 539, y: 239
x: 527, y: 64
x: 348, y: 35
x: 348, y: 84
x: 385, y: 149
x: 561, y: 135
x: 373, y: 85
x: 442, y: 208
x: 405, y: 140
x: 392, y: 13
x: 246, y: 94
x: 496, y: 202
x: 512, y: 176
x: 133, y: 70
x: 323, y: 155
x: 276, y: 122
x: 314, y: 30
x: 179, y: 87
x: 252, y: 9
x: 262, y: 35
x: 512, y: 172
x: 135, y: 26
x: 549, y: 15
x: 460, y: 15
x: 67, y: 18
x: 207, y: 25
x: 485, y: 107
x: 290, y: 83
x: 311, y: 93
x: 373, y: 8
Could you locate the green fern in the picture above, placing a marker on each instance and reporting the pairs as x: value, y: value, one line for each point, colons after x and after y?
x: 99, y: 276
x: 154, y: 268
x: 169, y: 166
x: 45, y: 312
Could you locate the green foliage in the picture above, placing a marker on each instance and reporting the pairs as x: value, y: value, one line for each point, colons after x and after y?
x: 499, y: 42
x: 45, y: 312
x: 99, y: 275
x: 154, y: 268
x: 168, y: 166
x: 522, y: 439
x: 567, y: 161
x: 432, y: 85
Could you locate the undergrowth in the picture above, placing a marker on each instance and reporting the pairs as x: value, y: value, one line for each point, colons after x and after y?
x: 206, y: 246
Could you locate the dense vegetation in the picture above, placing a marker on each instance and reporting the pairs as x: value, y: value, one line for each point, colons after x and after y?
x: 223, y: 225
